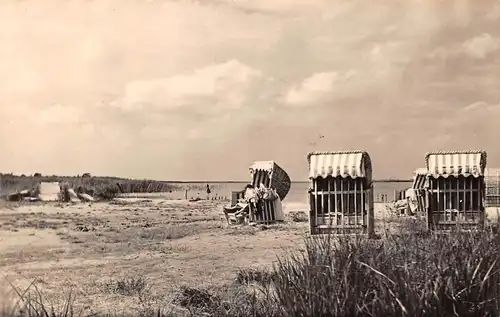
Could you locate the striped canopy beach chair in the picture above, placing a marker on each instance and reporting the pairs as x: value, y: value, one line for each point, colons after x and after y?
x: 271, y: 176
x: 340, y: 192
x: 456, y: 190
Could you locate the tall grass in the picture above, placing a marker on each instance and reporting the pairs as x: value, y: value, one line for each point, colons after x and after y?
x: 404, y: 275
x: 401, y: 275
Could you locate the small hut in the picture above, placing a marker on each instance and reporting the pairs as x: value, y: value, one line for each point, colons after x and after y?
x: 456, y: 189
x: 49, y: 191
x: 340, y: 192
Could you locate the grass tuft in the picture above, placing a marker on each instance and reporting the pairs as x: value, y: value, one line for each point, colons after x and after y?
x: 129, y: 286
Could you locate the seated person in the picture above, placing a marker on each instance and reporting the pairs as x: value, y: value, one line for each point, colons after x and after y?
x: 242, y: 208
x: 249, y: 200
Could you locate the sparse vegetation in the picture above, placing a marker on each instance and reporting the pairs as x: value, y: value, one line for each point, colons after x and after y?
x: 129, y: 286
x: 401, y: 275
x: 298, y: 216
x: 160, y: 257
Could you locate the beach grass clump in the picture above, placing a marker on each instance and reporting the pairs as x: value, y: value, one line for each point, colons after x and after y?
x: 129, y: 286
x: 402, y: 275
x: 228, y: 301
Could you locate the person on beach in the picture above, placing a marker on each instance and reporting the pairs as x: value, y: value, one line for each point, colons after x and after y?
x: 208, y: 192
x: 248, y: 203
x: 246, y: 206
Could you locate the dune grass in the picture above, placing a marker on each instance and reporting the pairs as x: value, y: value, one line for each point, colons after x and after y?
x: 405, y: 274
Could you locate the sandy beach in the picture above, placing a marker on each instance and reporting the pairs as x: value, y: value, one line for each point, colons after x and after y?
x: 85, y: 247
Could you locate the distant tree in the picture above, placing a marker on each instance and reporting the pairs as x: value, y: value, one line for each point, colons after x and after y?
x: 22, y: 175
x: 86, y: 175
x: 37, y: 175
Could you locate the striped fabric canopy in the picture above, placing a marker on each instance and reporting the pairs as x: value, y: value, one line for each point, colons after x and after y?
x: 419, y: 178
x: 273, y: 174
x: 266, y: 166
x: 340, y: 164
x: 455, y: 163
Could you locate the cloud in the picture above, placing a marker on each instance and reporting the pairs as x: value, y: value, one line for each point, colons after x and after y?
x: 316, y: 88
x: 482, y: 108
x: 494, y: 13
x: 478, y: 47
x: 471, y: 126
x: 188, y: 79
x: 207, y: 90
x: 481, y: 46
x: 278, y: 7
x: 60, y: 114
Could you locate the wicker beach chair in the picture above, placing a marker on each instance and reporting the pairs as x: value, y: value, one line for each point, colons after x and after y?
x: 271, y: 175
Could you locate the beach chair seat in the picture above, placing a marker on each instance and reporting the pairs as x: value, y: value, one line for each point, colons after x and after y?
x: 233, y: 216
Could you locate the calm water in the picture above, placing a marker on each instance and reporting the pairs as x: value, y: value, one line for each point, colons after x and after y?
x: 297, y: 194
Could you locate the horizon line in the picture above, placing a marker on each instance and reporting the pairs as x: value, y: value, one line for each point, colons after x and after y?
x: 387, y: 180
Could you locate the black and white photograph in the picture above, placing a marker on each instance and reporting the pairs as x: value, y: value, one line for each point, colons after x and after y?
x: 249, y: 158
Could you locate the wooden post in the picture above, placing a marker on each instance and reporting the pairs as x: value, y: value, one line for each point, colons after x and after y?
x: 335, y: 192
x: 482, y: 210
x: 312, y: 216
x: 457, y: 200
x: 356, y: 202
x: 370, y: 217
x: 316, y: 202
x: 342, y: 205
x: 471, y: 188
x: 329, y: 203
x: 364, y: 207
x: 323, y: 216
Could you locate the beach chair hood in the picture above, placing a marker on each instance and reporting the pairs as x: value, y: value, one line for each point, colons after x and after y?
x: 278, y: 178
x: 456, y: 163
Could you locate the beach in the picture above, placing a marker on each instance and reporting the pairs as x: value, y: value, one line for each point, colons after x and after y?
x: 89, y: 247
x: 115, y: 255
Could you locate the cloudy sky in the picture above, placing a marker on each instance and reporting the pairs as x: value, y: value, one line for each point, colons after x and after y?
x: 179, y: 89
